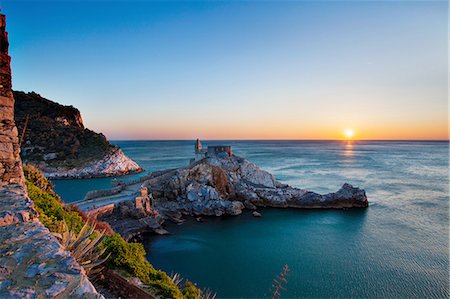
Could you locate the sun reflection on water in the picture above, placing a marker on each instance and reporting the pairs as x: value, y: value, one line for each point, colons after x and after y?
x: 348, y: 150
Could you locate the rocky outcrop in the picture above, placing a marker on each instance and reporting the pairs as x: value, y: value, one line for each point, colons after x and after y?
x: 131, y: 218
x: 213, y: 186
x: 32, y: 262
x: 55, y: 139
x: 228, y: 185
x: 15, y: 206
x: 113, y: 163
x: 10, y: 164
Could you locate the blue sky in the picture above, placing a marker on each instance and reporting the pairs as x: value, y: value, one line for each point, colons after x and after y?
x: 251, y: 70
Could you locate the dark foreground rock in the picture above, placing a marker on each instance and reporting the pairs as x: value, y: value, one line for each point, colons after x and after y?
x: 32, y: 262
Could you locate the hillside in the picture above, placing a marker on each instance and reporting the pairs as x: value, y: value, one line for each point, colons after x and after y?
x: 56, y: 140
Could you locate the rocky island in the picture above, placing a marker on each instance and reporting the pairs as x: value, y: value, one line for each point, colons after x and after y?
x: 215, y: 183
x: 53, y: 137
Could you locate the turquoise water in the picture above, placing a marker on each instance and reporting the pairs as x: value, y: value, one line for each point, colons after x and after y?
x: 398, y: 247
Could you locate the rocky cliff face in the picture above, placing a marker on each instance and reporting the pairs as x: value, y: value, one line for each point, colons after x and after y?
x: 214, y: 186
x: 227, y: 185
x: 10, y: 164
x: 55, y: 139
x: 32, y: 262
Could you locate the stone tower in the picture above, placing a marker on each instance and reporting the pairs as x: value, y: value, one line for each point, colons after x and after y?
x: 198, y: 146
x: 10, y: 163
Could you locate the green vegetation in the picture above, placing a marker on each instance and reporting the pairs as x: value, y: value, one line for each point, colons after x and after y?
x: 190, y: 291
x: 52, y: 213
x: 86, y: 247
x: 124, y: 256
x: 131, y: 258
x: 58, y: 129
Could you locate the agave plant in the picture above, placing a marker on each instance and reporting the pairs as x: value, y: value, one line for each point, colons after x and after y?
x: 177, y: 279
x: 208, y: 294
x: 85, y: 247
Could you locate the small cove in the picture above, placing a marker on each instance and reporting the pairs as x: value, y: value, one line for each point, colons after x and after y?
x: 398, y: 247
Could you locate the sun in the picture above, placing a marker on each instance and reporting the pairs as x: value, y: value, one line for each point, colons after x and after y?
x: 349, y: 133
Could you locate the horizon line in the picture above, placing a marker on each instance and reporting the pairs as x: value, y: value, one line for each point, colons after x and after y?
x: 345, y: 140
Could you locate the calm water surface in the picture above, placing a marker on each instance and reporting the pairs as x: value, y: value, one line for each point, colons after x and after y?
x: 398, y: 247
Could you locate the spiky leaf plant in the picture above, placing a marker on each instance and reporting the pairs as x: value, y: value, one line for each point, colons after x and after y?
x: 208, y: 294
x: 85, y: 247
x: 177, y: 279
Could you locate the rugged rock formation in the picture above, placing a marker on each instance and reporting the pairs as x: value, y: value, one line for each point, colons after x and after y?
x: 10, y: 164
x: 227, y: 185
x: 213, y: 186
x: 113, y: 163
x: 32, y: 262
x: 132, y: 217
x: 55, y: 139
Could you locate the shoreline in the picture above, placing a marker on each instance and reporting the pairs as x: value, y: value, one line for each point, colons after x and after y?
x: 99, y: 176
x: 183, y: 232
x: 211, y: 186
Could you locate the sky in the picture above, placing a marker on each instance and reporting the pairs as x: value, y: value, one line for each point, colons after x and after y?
x: 238, y: 69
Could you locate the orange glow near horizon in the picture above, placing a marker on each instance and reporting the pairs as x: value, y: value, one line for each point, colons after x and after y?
x: 349, y: 134
x: 285, y: 124
x: 282, y: 122
x: 224, y: 72
x: 170, y: 131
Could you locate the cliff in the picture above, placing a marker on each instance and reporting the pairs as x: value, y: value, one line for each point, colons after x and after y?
x: 10, y: 164
x: 32, y: 262
x: 55, y: 139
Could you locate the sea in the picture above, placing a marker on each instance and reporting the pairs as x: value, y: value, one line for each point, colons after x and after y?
x: 396, y: 248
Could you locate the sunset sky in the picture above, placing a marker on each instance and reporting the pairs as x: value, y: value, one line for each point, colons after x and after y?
x: 238, y: 70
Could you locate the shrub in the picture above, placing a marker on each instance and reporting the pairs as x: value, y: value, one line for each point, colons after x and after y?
x: 51, y: 211
x: 35, y: 176
x: 131, y: 257
x: 122, y: 255
x: 190, y: 291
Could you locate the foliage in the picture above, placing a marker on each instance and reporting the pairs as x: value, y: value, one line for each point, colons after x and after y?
x: 131, y: 257
x: 177, y: 279
x: 82, y: 241
x: 190, y: 291
x: 78, y: 234
x: 58, y: 129
x: 208, y: 294
x: 51, y: 212
x: 35, y: 176
x: 85, y: 247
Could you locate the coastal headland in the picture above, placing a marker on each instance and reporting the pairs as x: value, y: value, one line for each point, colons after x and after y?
x: 54, y: 138
x: 215, y: 183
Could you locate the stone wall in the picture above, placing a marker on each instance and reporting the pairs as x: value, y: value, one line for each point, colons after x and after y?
x: 10, y: 164
x: 32, y: 262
